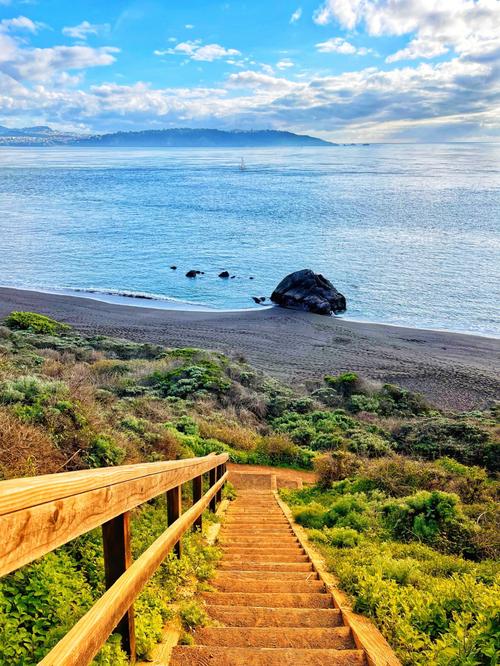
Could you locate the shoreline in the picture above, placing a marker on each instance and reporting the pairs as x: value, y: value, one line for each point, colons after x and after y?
x: 457, y: 371
x: 169, y: 303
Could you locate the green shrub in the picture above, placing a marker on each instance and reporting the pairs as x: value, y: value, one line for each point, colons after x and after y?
x: 312, y: 516
x: 368, y: 444
x: 348, y: 511
x: 396, y: 401
x: 187, y: 380
x: 339, y: 537
x: 430, y: 517
x: 363, y: 403
x: 345, y: 384
x: 35, y: 323
x: 335, y: 466
x: 439, y: 437
x: 192, y: 615
x: 103, y: 452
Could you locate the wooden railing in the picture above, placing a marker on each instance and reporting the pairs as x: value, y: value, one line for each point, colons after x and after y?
x: 41, y: 513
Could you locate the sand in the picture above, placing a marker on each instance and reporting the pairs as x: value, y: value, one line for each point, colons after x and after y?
x: 454, y: 371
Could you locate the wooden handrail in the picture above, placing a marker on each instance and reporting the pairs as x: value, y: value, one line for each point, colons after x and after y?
x: 38, y: 518
x: 40, y: 513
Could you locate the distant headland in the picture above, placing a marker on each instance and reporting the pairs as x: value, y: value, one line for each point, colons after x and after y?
x: 162, y: 138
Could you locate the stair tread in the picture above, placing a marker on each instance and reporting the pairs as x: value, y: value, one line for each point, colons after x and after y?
x: 293, y: 637
x: 221, y: 656
x: 259, y: 616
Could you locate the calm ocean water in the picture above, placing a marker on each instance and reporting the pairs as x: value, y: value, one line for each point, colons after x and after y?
x: 409, y: 233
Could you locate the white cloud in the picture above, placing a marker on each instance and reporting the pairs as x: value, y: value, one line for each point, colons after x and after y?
x: 84, y: 29
x: 340, y: 45
x: 468, y: 27
x: 197, y: 51
x: 296, y: 15
x: 20, y: 23
x: 189, y: 26
x: 286, y: 63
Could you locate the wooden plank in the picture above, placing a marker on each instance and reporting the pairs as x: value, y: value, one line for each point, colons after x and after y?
x: 197, y: 494
x: 174, y: 510
x: 117, y: 559
x: 17, y: 494
x: 219, y: 473
x: 212, y: 479
x: 82, y: 643
x: 35, y: 531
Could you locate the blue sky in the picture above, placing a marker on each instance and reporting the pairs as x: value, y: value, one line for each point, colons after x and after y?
x: 349, y: 70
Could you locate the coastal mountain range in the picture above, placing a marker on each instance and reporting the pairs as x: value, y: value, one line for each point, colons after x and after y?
x: 168, y: 138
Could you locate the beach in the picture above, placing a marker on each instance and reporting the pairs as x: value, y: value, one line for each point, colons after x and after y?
x: 454, y: 371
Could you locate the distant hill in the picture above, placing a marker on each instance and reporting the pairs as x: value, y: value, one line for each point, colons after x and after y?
x: 200, y: 138
x: 166, y: 138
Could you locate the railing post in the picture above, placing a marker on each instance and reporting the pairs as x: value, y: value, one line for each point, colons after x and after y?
x: 220, y: 474
x: 197, y: 494
x: 212, y: 478
x: 174, y: 510
x: 117, y: 559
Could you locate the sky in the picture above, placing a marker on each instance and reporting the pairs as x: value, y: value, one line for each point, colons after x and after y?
x: 345, y: 70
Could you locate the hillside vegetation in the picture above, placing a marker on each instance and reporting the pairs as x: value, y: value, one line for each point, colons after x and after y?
x: 405, y: 509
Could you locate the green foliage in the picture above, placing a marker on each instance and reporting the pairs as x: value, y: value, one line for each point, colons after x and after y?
x: 335, y: 466
x: 339, y: 537
x: 396, y: 401
x: 368, y: 444
x: 103, y: 452
x: 344, y: 384
x: 348, y: 511
x: 205, y: 376
x: 35, y: 323
x: 192, y: 615
x: 430, y: 517
x: 437, y: 437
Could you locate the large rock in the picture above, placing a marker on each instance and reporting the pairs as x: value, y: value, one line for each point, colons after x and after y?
x: 306, y: 290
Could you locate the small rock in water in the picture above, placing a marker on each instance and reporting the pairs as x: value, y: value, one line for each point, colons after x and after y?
x: 262, y: 299
x: 251, y: 277
x: 232, y: 277
x: 192, y: 274
x: 174, y: 268
x: 256, y: 299
x: 306, y: 290
x: 224, y: 274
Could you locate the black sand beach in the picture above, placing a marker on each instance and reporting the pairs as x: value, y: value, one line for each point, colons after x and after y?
x: 454, y: 371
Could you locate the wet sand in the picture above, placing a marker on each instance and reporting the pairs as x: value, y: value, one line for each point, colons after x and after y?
x: 453, y: 370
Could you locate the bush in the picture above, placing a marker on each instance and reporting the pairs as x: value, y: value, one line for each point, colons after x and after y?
x: 339, y: 537
x: 396, y: 401
x: 430, y: 517
x: 103, y: 452
x: 439, y: 437
x: 368, y: 444
x: 345, y: 384
x: 35, y: 323
x: 205, y: 376
x: 335, y: 466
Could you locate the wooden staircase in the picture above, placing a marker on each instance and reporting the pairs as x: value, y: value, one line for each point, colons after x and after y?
x: 270, y: 606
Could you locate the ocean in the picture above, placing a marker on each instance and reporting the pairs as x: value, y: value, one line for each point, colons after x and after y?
x: 410, y: 234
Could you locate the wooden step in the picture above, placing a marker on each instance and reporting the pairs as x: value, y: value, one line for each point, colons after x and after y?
x: 338, y: 638
x: 198, y: 655
x: 244, y: 574
x: 269, y: 600
x: 257, y: 586
x: 248, y: 616
x: 237, y: 564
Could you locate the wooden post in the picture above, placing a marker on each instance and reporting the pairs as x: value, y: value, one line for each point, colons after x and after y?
x: 174, y: 510
x: 212, y: 478
x: 117, y: 559
x: 220, y: 474
x: 197, y: 493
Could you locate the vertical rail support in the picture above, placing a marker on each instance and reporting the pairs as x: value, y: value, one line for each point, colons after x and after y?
x: 117, y: 559
x: 174, y: 510
x: 220, y: 474
x: 212, y: 478
x: 197, y: 494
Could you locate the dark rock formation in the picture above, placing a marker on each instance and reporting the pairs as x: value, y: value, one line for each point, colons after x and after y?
x: 224, y: 274
x: 174, y: 268
x: 306, y: 290
x: 192, y: 274
x: 256, y: 299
